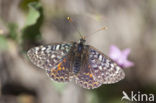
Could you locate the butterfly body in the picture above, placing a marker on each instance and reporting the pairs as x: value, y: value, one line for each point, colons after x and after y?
x: 84, y: 64
x: 79, y: 55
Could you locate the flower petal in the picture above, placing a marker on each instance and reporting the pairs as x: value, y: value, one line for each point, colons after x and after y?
x: 114, y: 52
x: 120, y: 57
x: 128, y: 64
x: 126, y: 52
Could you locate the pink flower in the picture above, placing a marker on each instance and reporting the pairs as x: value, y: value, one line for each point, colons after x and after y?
x: 120, y: 57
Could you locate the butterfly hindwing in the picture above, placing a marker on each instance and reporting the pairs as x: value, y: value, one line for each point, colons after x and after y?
x: 85, y: 78
x: 104, y: 69
x: 62, y: 72
x: 49, y: 56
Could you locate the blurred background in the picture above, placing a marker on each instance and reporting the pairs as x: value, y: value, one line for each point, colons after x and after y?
x: 28, y: 23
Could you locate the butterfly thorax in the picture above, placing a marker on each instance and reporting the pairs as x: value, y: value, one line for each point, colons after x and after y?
x: 80, y: 46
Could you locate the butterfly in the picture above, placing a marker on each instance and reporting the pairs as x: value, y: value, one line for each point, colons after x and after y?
x: 87, y: 66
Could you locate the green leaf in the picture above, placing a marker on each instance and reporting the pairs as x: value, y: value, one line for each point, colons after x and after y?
x: 33, y: 13
x: 12, y: 30
x: 31, y: 32
x: 3, y: 43
x: 24, y: 4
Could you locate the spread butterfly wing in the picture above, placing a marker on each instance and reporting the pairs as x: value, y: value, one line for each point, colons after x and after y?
x: 103, y: 68
x: 49, y: 56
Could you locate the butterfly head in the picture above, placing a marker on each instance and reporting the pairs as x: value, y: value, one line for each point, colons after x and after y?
x: 82, y: 40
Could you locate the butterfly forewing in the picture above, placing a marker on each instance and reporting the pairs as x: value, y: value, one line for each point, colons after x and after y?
x: 48, y: 56
x: 104, y: 69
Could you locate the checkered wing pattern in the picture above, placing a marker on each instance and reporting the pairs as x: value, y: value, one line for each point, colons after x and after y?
x: 62, y: 72
x: 52, y: 58
x: 49, y: 56
x: 85, y: 77
x: 103, y: 68
x: 86, y: 80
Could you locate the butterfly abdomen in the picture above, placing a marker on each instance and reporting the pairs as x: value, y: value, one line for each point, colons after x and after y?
x: 78, y: 57
x: 77, y: 65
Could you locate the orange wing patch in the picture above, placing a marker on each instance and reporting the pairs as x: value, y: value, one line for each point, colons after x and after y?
x: 61, y: 72
x: 86, y: 80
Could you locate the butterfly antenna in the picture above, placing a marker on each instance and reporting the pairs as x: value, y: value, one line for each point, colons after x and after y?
x: 101, y: 29
x: 70, y: 20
